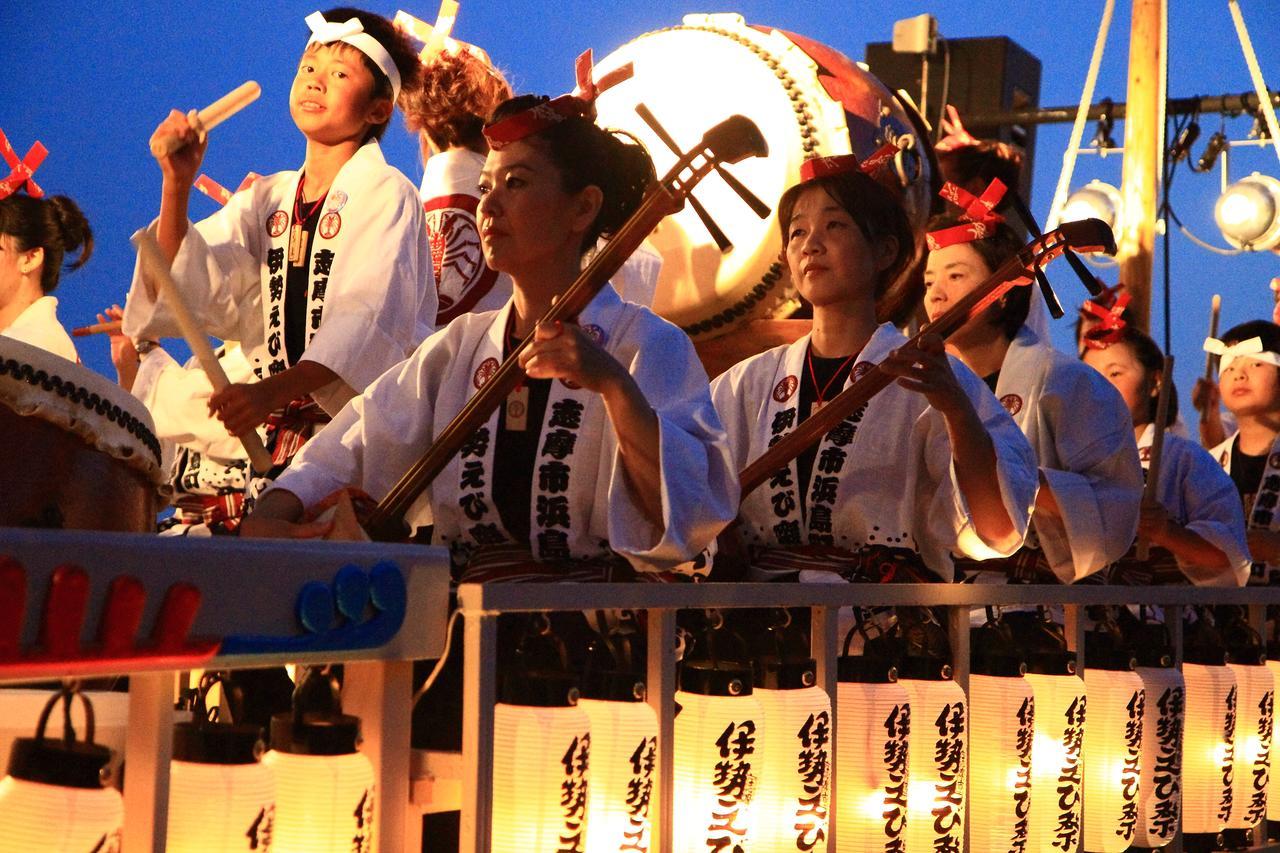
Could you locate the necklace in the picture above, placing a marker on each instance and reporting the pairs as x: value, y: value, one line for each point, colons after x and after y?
x: 821, y: 393
x: 298, y: 237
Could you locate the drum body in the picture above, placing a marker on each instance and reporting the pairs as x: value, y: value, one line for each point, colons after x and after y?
x: 807, y: 99
x: 80, y: 452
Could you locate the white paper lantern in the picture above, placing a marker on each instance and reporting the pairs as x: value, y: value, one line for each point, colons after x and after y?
x: 936, y: 755
x: 792, y: 800
x: 1160, y: 792
x: 871, y: 757
x: 718, y: 738
x: 1112, y: 758
x: 325, y: 795
x: 1208, y: 753
x: 1001, y: 733
x: 1273, y: 785
x: 222, y: 799
x: 1252, y: 758
x: 624, y: 739
x: 1057, y: 755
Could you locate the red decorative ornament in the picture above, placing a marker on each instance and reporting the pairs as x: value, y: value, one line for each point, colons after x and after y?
x: 839, y: 164
x: 1111, y: 324
x: 20, y: 171
x: 979, y: 214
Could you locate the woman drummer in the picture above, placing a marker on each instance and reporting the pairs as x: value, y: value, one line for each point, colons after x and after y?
x: 930, y: 465
x: 1086, y: 510
x: 612, y: 457
x: 36, y: 234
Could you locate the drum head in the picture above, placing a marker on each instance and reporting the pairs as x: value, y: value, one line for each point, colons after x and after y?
x: 807, y: 99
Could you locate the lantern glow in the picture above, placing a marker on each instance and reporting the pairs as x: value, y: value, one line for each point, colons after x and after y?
x: 1208, y: 747
x: 1273, y: 785
x: 1160, y: 792
x: 1112, y: 758
x: 624, y: 742
x: 1002, y: 720
x: 871, y: 758
x: 1056, y: 754
x: 1252, y: 762
x: 937, y: 765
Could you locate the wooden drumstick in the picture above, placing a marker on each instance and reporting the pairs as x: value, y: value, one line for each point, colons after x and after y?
x: 154, y: 265
x: 1151, y: 490
x: 1214, y: 309
x: 111, y: 327
x: 210, y: 117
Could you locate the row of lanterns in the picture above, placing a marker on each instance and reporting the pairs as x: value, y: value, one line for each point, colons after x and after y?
x: 1139, y: 746
x: 313, y: 792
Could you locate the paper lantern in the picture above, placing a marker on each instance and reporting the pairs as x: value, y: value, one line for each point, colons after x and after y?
x: 53, y: 799
x: 325, y: 795
x: 1208, y: 753
x: 718, y: 735
x: 624, y: 739
x: 1273, y: 785
x: 871, y: 756
x: 1112, y: 758
x: 221, y: 798
x: 1056, y: 756
x: 1160, y: 791
x: 937, y: 761
x: 1001, y: 729
x: 1252, y: 757
x: 792, y: 800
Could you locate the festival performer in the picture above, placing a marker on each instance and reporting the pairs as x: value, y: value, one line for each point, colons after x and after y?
x: 931, y: 465
x: 1195, y: 522
x: 1086, y: 510
x: 1249, y: 384
x: 323, y: 274
x: 35, y: 235
x: 459, y: 89
x: 613, y: 458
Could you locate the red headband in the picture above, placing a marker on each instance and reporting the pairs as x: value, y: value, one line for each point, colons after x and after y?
x: 823, y: 167
x: 979, y: 214
x: 21, y: 170
x: 1111, y: 324
x: 581, y: 103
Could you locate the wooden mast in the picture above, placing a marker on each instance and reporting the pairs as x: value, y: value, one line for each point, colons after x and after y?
x: 1143, y: 153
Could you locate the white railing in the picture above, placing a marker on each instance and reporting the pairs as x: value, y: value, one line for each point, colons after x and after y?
x: 252, y: 588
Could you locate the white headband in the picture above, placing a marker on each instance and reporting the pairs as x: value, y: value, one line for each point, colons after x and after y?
x: 352, y: 32
x: 1252, y: 348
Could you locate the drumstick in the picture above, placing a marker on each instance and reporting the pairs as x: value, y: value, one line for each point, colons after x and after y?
x: 1214, y: 309
x: 1157, y: 447
x: 153, y: 263
x: 112, y: 327
x: 210, y: 117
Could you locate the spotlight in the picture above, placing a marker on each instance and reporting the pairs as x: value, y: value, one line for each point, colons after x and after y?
x: 1095, y: 200
x: 1248, y: 213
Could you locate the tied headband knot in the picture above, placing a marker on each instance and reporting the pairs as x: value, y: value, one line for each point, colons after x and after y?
x: 352, y: 32
x: 839, y: 164
x: 1251, y: 348
x: 436, y: 38
x: 20, y: 171
x: 979, y: 213
x: 578, y: 104
x: 1111, y: 324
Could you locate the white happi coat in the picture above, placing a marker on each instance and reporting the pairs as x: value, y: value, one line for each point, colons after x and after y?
x: 38, y: 326
x: 381, y: 433
x: 1201, y: 497
x: 1264, y: 513
x: 450, y: 198
x: 370, y: 297
x: 889, y: 470
x: 1082, y: 435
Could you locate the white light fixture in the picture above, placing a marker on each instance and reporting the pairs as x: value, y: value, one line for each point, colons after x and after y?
x: 1095, y: 200
x: 1248, y: 213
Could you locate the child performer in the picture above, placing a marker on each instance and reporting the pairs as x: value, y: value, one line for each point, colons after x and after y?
x: 610, y: 447
x: 1195, y: 520
x: 930, y: 465
x: 35, y: 236
x: 1249, y: 383
x: 322, y: 274
x: 1086, y: 511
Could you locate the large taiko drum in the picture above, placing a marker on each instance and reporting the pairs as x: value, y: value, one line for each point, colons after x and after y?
x: 79, y: 452
x: 808, y: 99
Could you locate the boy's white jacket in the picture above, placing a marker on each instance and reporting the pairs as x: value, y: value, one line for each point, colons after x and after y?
x: 371, y: 295
x: 1082, y: 435
x: 896, y: 484
x: 380, y: 434
x: 1199, y: 495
